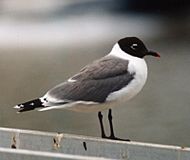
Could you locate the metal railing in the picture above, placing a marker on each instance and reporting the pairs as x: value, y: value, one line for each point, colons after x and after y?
x: 20, y: 144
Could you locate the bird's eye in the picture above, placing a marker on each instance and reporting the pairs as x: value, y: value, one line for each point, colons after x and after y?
x: 134, y: 46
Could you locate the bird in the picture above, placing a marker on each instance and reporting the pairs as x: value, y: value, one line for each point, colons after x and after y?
x: 105, y: 83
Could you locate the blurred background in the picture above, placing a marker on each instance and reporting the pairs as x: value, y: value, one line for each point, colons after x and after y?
x: 43, y: 42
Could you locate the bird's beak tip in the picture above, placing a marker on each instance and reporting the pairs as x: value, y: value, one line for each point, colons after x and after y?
x: 155, y: 54
x: 158, y: 55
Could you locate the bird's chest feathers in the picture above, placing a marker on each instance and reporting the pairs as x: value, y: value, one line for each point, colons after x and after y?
x: 137, y: 67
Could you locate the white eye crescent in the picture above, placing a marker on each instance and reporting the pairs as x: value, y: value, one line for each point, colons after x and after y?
x: 134, y: 46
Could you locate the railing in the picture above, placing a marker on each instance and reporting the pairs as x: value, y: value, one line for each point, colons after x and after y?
x: 17, y: 144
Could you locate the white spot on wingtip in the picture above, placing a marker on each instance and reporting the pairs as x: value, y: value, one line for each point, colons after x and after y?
x: 16, y: 107
x: 71, y: 80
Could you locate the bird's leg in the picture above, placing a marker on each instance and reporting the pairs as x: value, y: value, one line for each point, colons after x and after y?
x: 100, y: 117
x: 112, y: 135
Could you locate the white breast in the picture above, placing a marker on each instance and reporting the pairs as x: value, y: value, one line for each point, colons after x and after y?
x: 136, y: 65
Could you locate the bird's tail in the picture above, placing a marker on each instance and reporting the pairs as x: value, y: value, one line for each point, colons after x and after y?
x: 30, y: 105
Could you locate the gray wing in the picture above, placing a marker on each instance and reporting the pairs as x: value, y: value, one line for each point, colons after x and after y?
x: 94, y: 82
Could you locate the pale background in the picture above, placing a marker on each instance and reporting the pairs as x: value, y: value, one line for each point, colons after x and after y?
x: 42, y: 43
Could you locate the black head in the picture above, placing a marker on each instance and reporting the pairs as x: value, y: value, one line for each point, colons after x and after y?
x: 135, y: 47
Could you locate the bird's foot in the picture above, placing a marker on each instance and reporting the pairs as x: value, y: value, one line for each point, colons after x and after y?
x: 116, y: 138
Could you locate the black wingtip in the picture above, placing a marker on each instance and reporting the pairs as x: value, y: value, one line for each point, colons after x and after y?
x: 28, y: 106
